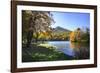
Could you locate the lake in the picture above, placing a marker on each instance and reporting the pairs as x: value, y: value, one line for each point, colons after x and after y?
x: 76, y: 50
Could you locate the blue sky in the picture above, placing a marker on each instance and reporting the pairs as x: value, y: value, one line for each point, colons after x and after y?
x: 71, y: 20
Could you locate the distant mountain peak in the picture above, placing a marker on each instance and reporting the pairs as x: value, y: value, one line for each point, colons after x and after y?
x: 60, y: 29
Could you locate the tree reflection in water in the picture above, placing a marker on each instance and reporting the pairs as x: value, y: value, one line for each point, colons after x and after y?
x: 81, y: 50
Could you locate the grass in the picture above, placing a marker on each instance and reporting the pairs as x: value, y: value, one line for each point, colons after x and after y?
x: 47, y: 46
x: 43, y: 52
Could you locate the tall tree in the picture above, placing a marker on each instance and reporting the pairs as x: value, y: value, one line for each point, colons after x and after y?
x: 37, y: 22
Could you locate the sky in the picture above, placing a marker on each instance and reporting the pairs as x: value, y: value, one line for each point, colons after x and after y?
x: 71, y: 20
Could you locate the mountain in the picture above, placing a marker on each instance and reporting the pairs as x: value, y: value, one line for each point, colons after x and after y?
x: 60, y: 29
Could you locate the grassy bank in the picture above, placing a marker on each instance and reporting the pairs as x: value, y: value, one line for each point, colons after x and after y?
x: 42, y: 52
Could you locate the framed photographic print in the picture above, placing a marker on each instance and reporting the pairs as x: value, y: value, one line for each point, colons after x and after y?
x: 52, y: 36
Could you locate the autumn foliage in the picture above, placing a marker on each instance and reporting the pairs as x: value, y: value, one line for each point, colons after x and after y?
x: 79, y: 35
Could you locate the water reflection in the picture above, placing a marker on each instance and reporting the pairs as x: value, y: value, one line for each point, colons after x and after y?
x: 77, y: 50
x: 81, y: 50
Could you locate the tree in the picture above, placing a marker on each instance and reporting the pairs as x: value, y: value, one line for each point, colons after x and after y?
x: 80, y: 35
x: 72, y: 36
x: 37, y: 21
x: 86, y: 35
x: 75, y: 35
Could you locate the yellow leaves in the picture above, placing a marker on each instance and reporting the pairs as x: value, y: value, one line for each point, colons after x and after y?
x: 75, y: 35
x: 45, y: 33
x: 42, y: 35
x: 72, y: 36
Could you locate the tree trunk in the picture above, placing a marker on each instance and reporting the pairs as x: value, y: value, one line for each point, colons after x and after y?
x: 29, y: 37
x: 36, y: 38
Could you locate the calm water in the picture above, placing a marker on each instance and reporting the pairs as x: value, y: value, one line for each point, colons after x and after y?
x: 77, y: 50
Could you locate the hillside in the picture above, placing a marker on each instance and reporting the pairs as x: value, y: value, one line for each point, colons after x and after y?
x: 60, y: 29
